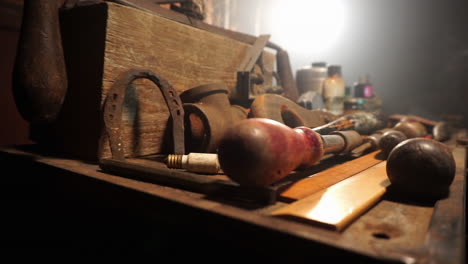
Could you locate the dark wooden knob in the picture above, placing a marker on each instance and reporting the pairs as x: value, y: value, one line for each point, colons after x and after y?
x: 421, y: 168
x: 389, y: 140
x: 260, y: 151
x: 411, y: 129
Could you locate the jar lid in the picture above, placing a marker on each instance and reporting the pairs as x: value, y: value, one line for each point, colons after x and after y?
x: 334, y: 69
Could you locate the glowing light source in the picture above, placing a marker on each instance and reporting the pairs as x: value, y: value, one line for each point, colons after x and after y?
x: 305, y: 26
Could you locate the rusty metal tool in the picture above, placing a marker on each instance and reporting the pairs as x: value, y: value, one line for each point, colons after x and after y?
x: 259, y: 151
x: 113, y: 107
x: 208, y: 113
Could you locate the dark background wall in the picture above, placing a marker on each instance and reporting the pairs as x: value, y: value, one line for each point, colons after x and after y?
x: 13, y: 129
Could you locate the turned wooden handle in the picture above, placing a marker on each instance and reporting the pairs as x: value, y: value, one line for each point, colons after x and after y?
x: 39, y: 75
x: 259, y: 151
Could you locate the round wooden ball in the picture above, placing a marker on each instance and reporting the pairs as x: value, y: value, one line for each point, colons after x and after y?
x: 389, y: 140
x: 421, y: 168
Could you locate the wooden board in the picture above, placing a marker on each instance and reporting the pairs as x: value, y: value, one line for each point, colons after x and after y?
x: 336, y: 206
x: 324, y: 179
x: 103, y: 40
x: 392, y: 231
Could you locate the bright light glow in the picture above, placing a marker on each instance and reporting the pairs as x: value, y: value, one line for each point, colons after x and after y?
x: 307, y: 26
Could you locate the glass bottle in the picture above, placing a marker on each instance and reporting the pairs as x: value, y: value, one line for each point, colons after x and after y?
x: 368, y: 88
x: 334, y: 90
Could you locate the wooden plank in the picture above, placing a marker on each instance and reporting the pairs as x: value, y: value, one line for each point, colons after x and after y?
x: 181, y: 18
x: 391, y: 228
x: 336, y: 206
x: 446, y: 237
x: 390, y: 232
x: 327, y: 178
x: 184, y: 55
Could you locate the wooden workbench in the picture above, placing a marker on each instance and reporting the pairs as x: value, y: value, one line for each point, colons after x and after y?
x: 56, y: 203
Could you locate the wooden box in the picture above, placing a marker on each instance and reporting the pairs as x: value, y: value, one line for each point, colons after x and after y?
x: 103, y: 40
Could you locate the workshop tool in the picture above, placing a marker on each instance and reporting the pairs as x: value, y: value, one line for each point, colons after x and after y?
x: 259, y: 151
x: 383, y: 140
x: 411, y: 128
x: 40, y: 78
x: 121, y: 163
x: 195, y: 162
x: 397, y: 118
x: 419, y: 169
x: 440, y: 130
x: 246, y: 77
x: 208, y: 113
x: 388, y: 138
x: 408, y: 129
x: 114, y: 38
x: 362, y: 122
x: 337, y: 206
x: 283, y: 110
x: 323, y: 179
x: 113, y: 107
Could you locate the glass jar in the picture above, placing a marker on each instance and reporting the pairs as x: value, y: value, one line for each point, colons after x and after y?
x: 334, y: 90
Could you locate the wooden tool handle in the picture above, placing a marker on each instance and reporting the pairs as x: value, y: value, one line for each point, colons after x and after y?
x: 259, y: 151
x: 39, y: 75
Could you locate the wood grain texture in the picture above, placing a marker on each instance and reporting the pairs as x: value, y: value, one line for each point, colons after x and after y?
x: 327, y: 178
x: 392, y: 231
x: 183, y: 55
x: 446, y: 238
x: 103, y: 40
x: 338, y: 205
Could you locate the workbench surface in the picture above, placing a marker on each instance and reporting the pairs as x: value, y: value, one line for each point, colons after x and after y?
x: 57, y: 203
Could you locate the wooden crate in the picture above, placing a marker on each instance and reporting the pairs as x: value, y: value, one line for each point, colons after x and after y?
x: 103, y: 40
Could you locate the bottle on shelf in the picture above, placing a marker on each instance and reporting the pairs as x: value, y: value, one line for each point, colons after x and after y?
x: 363, y: 88
x: 334, y: 90
x: 310, y: 78
x: 368, y: 88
